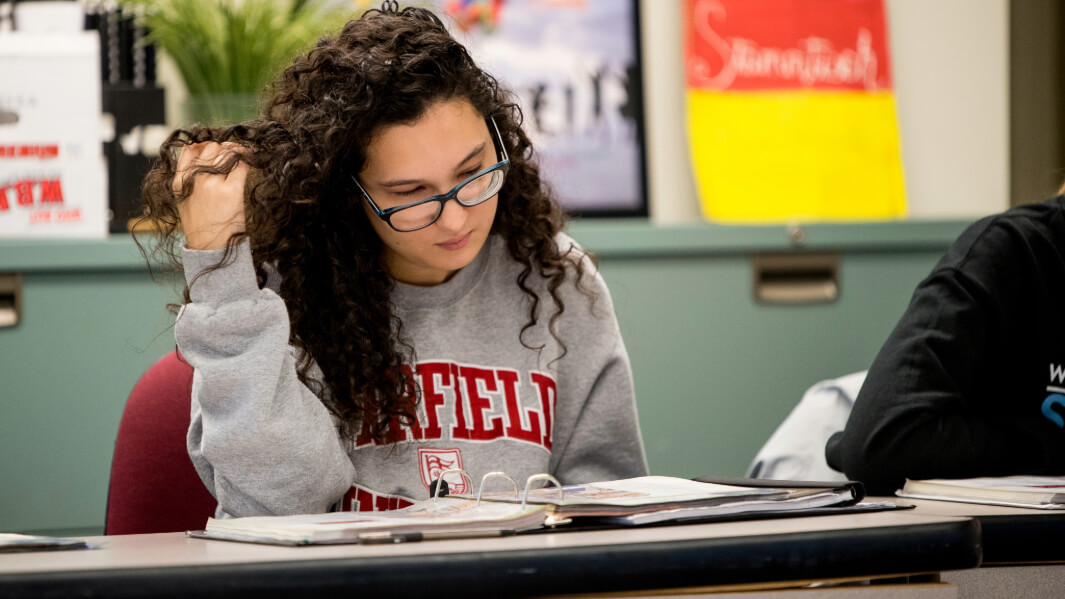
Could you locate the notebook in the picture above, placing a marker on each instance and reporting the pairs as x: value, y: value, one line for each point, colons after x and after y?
x: 1040, y: 492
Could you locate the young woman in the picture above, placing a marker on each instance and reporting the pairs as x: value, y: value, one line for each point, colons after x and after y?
x: 972, y: 380
x: 379, y: 289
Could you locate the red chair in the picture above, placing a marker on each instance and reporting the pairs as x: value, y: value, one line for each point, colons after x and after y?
x: 154, y: 487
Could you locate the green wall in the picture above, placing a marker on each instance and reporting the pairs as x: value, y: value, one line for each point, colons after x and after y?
x: 92, y: 321
x: 715, y: 371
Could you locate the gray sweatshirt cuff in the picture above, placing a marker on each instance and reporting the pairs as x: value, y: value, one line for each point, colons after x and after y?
x: 233, y: 281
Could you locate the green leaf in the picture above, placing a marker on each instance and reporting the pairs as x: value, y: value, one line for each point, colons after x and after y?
x: 235, y: 46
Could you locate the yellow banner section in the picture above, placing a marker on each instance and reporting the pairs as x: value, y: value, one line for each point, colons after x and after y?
x: 770, y: 157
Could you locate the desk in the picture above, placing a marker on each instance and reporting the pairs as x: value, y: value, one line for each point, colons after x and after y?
x: 1024, y: 555
x: 1010, y: 534
x: 727, y: 553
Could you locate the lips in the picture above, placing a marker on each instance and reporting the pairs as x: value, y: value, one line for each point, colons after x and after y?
x: 457, y: 243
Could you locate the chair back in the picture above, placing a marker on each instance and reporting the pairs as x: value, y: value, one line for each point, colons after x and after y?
x: 154, y: 486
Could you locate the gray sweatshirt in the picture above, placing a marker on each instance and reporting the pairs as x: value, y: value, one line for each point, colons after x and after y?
x: 264, y: 444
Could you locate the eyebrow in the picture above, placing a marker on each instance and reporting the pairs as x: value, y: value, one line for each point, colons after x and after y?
x: 400, y: 182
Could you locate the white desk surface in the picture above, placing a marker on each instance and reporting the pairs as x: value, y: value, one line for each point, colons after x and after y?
x: 957, y: 508
x: 176, y: 549
x: 1022, y: 556
x: 1010, y: 535
x: 862, y: 545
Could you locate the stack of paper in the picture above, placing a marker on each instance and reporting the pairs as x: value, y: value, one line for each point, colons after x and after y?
x: 1042, y: 492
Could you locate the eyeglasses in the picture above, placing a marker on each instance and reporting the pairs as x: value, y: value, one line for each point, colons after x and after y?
x: 474, y: 190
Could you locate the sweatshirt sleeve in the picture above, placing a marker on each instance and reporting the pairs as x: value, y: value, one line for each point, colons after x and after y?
x: 927, y: 408
x: 604, y: 442
x: 262, y: 442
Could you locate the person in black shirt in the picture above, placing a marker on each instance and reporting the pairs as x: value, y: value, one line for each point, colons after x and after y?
x: 972, y: 380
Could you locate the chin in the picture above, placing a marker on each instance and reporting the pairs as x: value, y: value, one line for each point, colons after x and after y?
x: 459, y: 259
x: 455, y: 260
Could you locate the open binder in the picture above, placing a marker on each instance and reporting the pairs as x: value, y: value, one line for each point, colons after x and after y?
x: 627, y: 502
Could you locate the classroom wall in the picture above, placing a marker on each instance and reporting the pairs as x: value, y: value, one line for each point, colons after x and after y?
x: 951, y: 67
x: 952, y: 78
x: 1037, y: 99
x: 715, y: 370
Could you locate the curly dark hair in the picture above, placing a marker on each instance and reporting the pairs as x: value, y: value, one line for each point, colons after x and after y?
x: 303, y: 219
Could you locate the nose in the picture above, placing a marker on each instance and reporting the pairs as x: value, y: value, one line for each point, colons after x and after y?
x: 453, y: 217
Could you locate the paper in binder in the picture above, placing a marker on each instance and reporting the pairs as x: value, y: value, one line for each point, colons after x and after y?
x: 793, y: 498
x: 639, y: 495
x: 445, y: 517
x: 628, y: 502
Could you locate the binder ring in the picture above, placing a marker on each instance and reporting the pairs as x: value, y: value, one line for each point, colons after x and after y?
x: 494, y: 475
x: 535, y: 477
x: 460, y: 471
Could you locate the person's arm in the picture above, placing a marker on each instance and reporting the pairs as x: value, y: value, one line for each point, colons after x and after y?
x: 262, y: 442
x: 918, y: 414
x: 604, y: 442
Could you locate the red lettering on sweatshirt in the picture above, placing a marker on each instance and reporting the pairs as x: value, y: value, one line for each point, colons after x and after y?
x: 364, y: 437
x: 415, y: 425
x: 545, y: 387
x: 396, y: 431
x: 361, y: 499
x: 435, y: 378
x: 400, y: 431
x: 459, y: 430
x: 522, y: 424
x: 480, y: 384
x: 486, y: 404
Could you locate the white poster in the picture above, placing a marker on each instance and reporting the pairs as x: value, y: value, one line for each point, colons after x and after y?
x: 575, y: 67
x: 52, y: 170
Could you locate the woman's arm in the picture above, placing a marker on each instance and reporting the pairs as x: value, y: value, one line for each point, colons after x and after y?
x: 603, y: 441
x: 262, y: 442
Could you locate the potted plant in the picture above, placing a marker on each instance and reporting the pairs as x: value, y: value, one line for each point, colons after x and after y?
x: 227, y: 51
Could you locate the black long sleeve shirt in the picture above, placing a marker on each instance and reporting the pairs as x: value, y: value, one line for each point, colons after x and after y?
x: 972, y: 380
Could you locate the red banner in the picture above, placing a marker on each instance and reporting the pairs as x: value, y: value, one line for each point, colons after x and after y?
x: 787, y: 44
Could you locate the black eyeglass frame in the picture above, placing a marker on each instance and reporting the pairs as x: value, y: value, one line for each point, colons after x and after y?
x: 503, y: 165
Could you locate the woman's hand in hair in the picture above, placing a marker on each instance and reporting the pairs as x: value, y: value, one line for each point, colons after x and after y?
x: 214, y: 210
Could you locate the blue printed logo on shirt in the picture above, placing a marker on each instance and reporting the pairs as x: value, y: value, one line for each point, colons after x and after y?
x: 1054, y: 399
